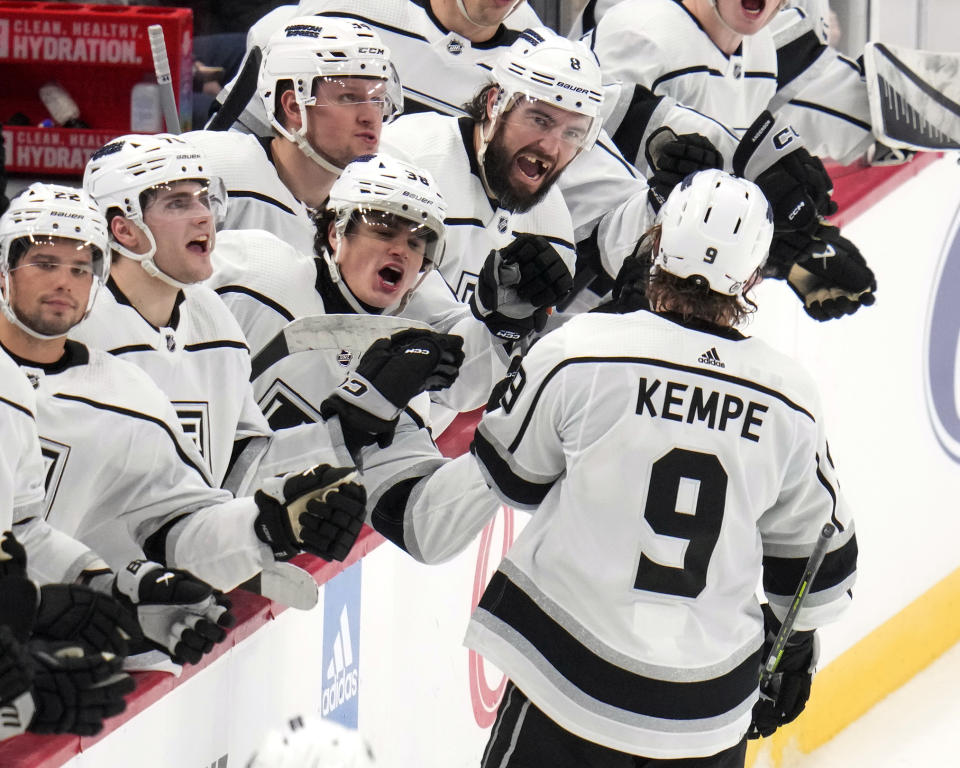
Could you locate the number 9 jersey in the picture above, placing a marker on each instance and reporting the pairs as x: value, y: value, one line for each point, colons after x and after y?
x: 669, y: 466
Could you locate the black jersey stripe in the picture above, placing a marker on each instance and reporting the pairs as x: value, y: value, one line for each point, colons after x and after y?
x: 699, y: 69
x: 832, y: 112
x: 522, y: 492
x: 463, y: 222
x: 781, y: 575
x: 548, y: 238
x: 629, y: 134
x: 794, y: 57
x: 738, y: 380
x: 218, y: 344
x: 833, y: 495
x: 606, y: 682
x: 759, y: 75
x: 262, y: 198
x: 376, y: 24
x: 265, y: 300
x: 132, y: 348
x: 184, y: 457
x: 18, y: 407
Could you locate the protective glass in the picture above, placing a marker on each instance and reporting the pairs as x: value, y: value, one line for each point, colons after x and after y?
x: 542, y: 120
x: 49, y: 263
x: 386, y: 226
x: 186, y: 199
x: 352, y: 91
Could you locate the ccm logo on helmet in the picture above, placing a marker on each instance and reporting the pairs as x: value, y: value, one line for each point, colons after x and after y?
x: 417, y: 351
x: 374, y: 51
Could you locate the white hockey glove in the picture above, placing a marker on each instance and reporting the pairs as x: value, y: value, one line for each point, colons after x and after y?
x: 794, y: 182
x: 74, y: 689
x: 320, y: 510
x: 516, y: 286
x: 177, y: 612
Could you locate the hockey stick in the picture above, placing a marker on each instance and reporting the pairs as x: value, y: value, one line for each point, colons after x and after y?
x: 162, y: 68
x: 803, y: 588
x: 244, y: 88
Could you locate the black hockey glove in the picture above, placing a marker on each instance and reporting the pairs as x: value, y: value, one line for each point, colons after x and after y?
x: 16, y: 669
x: 516, y: 286
x: 785, y: 695
x: 177, y: 612
x: 391, y: 373
x: 672, y: 158
x: 75, y: 689
x: 794, y: 182
x: 13, y: 557
x: 320, y: 510
x: 825, y: 270
x: 71, y: 612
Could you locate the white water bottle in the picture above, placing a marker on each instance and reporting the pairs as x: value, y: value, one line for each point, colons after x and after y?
x: 145, y: 113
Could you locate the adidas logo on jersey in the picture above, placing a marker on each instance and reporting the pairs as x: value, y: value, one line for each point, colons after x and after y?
x: 710, y: 357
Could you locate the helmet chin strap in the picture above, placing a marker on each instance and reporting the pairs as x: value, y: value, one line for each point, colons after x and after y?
x: 468, y: 17
x: 146, y: 260
x: 14, y: 318
x: 300, y: 139
x: 716, y: 10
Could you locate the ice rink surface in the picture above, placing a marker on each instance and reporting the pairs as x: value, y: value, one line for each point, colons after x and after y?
x: 917, y: 726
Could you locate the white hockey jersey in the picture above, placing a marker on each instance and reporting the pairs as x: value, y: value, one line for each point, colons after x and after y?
x: 21, y: 465
x: 439, y: 70
x: 119, y: 468
x: 659, y: 45
x: 256, y: 197
x: 475, y: 224
x: 668, y: 466
x: 266, y: 283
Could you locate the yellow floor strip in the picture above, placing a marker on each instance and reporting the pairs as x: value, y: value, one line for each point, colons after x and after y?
x: 873, y: 668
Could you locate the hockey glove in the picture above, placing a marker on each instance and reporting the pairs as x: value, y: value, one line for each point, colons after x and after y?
x: 795, y: 183
x: 826, y: 271
x: 16, y: 669
x: 673, y: 158
x: 71, y: 612
x: 74, y: 689
x: 320, y: 510
x: 785, y: 695
x: 13, y: 557
x: 177, y: 612
x: 516, y: 286
x: 390, y: 373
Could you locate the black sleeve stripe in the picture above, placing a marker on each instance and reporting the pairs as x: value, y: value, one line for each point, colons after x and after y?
x: 781, y: 575
x: 273, y: 351
x: 756, y: 75
x: 521, y: 491
x: 455, y: 222
x: 657, y: 364
x: 387, y: 517
x: 375, y: 24
x: 132, y: 348
x: 832, y: 112
x: 608, y: 683
x: 629, y: 133
x: 548, y: 238
x: 262, y: 198
x: 833, y: 495
x: 18, y: 407
x: 589, y: 16
x: 794, y: 57
x: 222, y: 343
x: 856, y: 66
x: 278, y: 308
x: 144, y: 417
x: 700, y: 69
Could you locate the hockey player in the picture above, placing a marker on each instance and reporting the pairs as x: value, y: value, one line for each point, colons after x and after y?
x: 498, y: 166
x: 147, y: 489
x: 313, y: 742
x: 668, y: 461
x: 327, y: 86
x: 443, y: 49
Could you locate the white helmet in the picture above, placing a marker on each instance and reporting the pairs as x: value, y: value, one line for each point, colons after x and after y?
x: 118, y: 174
x: 313, y: 743
x: 716, y: 226
x: 44, y: 211
x: 309, y: 47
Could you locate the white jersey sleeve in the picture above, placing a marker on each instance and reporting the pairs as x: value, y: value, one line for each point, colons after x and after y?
x: 821, y: 93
